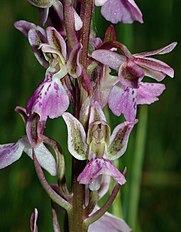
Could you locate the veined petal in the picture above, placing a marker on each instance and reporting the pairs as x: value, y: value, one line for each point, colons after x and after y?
x: 110, y: 58
x: 123, y: 101
x: 159, y: 76
x: 125, y: 11
x: 119, y: 140
x: 96, y: 113
x: 74, y: 66
x: 56, y: 40
x: 154, y: 64
x: 36, y: 39
x: 24, y: 27
x: 76, y: 137
x: 41, y: 3
x: 97, y: 167
x: 149, y: 92
x: 50, y: 99
x: 9, y: 153
x: 43, y: 155
x: 160, y: 51
x: 109, y: 222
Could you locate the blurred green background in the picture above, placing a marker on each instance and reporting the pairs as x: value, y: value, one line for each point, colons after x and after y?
x: 159, y: 206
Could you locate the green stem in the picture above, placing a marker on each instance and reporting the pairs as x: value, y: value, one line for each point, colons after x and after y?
x: 135, y: 180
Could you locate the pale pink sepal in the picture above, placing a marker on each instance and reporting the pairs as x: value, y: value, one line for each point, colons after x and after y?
x: 148, y: 93
x: 109, y: 223
x: 11, y: 152
x: 43, y: 155
x: 125, y: 11
x: 123, y: 101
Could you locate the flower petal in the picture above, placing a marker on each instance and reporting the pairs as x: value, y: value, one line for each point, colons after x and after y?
x: 119, y: 140
x: 123, y: 101
x: 110, y: 58
x: 149, y: 92
x: 56, y: 41
x: 154, y: 64
x: 109, y: 222
x: 36, y: 39
x: 160, y: 51
x: 74, y: 66
x: 49, y: 99
x: 43, y: 155
x: 76, y: 137
x: 9, y: 153
x: 121, y: 11
x: 97, y: 167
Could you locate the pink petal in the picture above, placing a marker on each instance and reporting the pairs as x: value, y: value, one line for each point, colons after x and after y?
x: 149, y: 92
x: 49, y: 99
x: 109, y: 223
x: 125, y: 11
x: 43, y: 155
x: 97, y: 167
x: 9, y: 153
x: 123, y: 101
x: 78, y: 21
x: 110, y: 58
x: 154, y: 64
x: 160, y: 51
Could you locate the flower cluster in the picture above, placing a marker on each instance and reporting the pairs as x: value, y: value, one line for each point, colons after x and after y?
x: 80, y: 77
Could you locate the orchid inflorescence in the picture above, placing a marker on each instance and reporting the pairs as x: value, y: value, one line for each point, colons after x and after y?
x: 79, y: 74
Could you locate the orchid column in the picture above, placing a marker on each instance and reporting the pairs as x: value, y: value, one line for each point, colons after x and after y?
x: 78, y: 85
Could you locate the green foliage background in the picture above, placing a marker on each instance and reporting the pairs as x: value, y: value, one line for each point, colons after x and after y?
x: 160, y: 191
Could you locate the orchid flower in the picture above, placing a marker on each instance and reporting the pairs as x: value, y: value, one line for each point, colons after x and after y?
x: 126, y: 95
x: 11, y: 152
x: 50, y: 99
x: 44, y: 6
x: 98, y: 146
x: 115, y: 11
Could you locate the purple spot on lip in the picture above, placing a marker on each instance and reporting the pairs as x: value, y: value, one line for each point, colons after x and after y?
x: 56, y: 87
